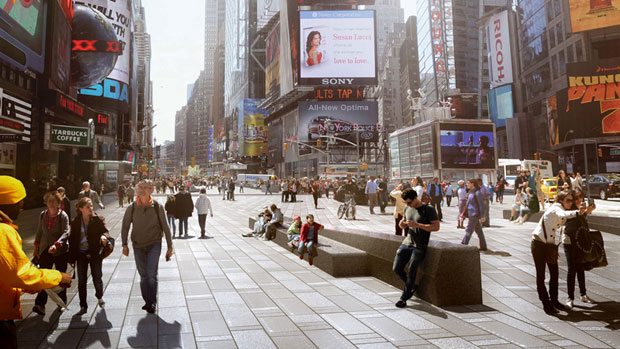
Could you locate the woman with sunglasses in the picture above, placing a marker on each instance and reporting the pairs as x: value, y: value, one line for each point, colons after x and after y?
x: 544, y: 257
x: 569, y: 240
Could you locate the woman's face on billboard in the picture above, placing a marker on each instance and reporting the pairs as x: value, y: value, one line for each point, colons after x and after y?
x: 316, y: 40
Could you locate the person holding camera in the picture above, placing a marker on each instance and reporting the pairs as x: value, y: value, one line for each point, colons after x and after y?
x: 545, y: 242
x: 569, y: 239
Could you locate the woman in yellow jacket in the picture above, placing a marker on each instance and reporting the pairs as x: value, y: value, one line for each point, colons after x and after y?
x: 18, y: 274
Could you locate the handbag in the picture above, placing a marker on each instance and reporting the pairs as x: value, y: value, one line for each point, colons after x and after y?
x: 592, y: 249
x: 551, y: 250
x: 107, y: 249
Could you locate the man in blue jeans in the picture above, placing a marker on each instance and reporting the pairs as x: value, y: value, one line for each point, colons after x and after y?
x: 149, y: 222
x: 420, y: 220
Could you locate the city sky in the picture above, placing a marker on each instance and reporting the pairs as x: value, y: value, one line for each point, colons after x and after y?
x: 177, y: 56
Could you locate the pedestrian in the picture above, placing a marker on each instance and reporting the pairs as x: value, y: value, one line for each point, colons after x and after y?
x: 486, y: 196
x: 545, y: 242
x: 399, y: 210
x: 462, y: 195
x: 531, y: 206
x: 293, y: 190
x: 501, y: 186
x: 449, y: 192
x: 171, y: 208
x: 371, y: 194
x: 564, y: 182
x: 18, y: 273
x: 316, y: 192
x: 538, y: 188
x: 51, y: 243
x: 184, y: 209
x: 268, y: 187
x: 293, y: 233
x: 65, y: 204
x: 382, y: 193
x: 419, y: 220
x: 309, y: 238
x: 327, y: 185
x: 231, y: 190
x: 436, y: 193
x: 284, y: 188
x: 203, y: 206
x: 148, y: 226
x: 120, y: 192
x: 131, y: 193
x: 518, y: 205
x: 474, y: 211
x: 278, y: 217
x: 88, y: 235
x: 91, y: 194
x: 573, y: 252
x: 241, y: 185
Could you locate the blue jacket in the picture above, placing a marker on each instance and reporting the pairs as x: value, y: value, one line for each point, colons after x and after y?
x: 475, y: 204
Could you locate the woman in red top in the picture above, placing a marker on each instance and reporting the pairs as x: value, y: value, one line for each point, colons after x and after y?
x: 312, y: 48
x: 309, y: 238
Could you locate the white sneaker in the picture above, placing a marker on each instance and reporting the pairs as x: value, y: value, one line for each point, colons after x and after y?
x: 569, y: 303
x: 101, y: 302
x: 586, y: 299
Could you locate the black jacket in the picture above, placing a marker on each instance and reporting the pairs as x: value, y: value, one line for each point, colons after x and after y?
x: 67, y: 203
x: 96, y: 228
x: 171, y: 208
x: 184, y: 204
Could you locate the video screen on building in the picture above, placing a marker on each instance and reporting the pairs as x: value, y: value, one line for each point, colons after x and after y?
x: 467, y: 146
x: 22, y: 26
x: 337, y: 48
x: 501, y: 106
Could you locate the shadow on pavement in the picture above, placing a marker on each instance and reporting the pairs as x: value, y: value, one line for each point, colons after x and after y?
x: 148, y: 333
x: 427, y: 308
x: 608, y: 312
x: 474, y: 308
x: 497, y: 253
x: 101, y: 323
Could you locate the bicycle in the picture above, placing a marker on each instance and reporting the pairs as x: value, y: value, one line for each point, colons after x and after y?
x: 347, y: 208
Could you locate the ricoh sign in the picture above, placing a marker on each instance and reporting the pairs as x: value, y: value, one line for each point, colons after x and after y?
x: 498, y: 43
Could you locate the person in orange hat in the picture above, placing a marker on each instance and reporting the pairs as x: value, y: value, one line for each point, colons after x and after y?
x: 18, y: 274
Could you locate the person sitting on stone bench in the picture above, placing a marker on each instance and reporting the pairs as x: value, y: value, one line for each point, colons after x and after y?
x: 293, y: 233
x: 532, y: 207
x: 278, y: 217
x: 420, y: 219
x: 309, y: 238
x: 258, y: 225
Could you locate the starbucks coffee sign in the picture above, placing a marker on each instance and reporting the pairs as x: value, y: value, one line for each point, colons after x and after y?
x: 70, y: 135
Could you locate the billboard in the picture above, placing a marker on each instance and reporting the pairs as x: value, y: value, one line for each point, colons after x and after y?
x: 252, y: 129
x: 15, y: 117
x: 272, y: 64
x: 467, y: 146
x: 22, y: 33
x: 337, y: 48
x: 343, y: 119
x: 501, y: 106
x: 60, y: 49
x: 593, y: 14
x: 70, y: 135
x: 498, y: 42
x: 119, y: 14
x: 591, y: 104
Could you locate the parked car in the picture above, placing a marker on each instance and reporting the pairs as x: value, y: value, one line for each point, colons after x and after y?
x: 549, y: 187
x: 604, y: 185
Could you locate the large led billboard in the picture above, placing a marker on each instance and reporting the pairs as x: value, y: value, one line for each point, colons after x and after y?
x: 22, y: 33
x: 593, y: 14
x: 337, y: 48
x: 467, y: 146
x: 501, y: 106
x: 590, y: 107
x: 342, y: 119
x: 251, y: 128
x: 272, y: 64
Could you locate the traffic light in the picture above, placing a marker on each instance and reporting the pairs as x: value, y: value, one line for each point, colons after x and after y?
x: 285, y: 146
x: 600, y: 152
x: 318, y: 143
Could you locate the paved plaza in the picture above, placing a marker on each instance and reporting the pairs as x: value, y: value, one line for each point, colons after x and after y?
x: 230, y: 291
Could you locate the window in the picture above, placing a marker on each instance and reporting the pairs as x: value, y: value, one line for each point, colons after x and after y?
x: 551, y: 32
x: 558, y: 7
x: 579, y: 51
x: 570, y: 56
x: 554, y: 66
x: 562, y: 64
x: 549, y: 11
x: 559, y: 29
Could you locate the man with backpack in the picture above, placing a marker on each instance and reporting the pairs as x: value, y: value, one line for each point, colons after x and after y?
x: 147, y: 218
x: 419, y: 220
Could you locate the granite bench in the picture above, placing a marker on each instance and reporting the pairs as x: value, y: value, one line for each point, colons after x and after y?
x: 335, y: 258
x: 449, y: 275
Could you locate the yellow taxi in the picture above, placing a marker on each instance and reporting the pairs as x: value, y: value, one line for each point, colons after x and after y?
x: 549, y: 188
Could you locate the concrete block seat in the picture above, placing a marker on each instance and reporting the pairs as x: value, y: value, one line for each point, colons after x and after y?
x: 333, y: 257
x: 531, y: 218
x: 449, y: 275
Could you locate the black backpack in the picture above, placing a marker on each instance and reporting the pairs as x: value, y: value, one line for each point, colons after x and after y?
x: 155, y: 206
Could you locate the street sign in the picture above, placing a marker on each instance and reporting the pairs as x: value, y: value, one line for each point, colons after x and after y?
x: 70, y: 135
x: 614, y: 152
